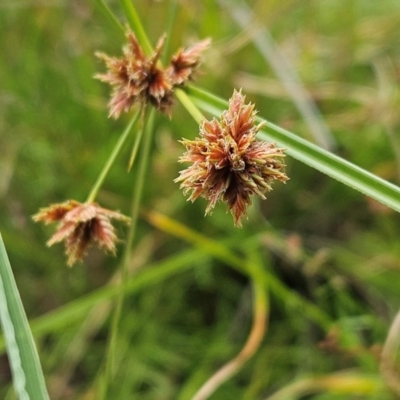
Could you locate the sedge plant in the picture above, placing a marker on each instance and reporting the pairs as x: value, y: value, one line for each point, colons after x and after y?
x: 235, y: 157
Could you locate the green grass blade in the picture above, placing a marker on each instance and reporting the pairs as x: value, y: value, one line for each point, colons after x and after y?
x: 74, y: 310
x: 103, y: 7
x: 312, y: 155
x: 137, y: 27
x: 284, y: 70
x: 27, y: 372
x: 220, y: 251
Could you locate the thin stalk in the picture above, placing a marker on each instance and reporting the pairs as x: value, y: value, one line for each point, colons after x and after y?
x: 137, y: 27
x: 115, y: 152
x: 108, y: 13
x: 187, y: 102
x: 173, y: 7
x: 390, y: 349
x: 260, y: 309
x: 135, y: 148
x: 136, y: 198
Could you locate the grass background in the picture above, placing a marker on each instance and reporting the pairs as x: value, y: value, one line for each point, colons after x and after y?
x: 323, y: 241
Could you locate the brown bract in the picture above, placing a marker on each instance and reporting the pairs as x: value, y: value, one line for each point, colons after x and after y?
x: 228, y: 163
x: 185, y: 62
x: 137, y: 78
x: 81, y: 225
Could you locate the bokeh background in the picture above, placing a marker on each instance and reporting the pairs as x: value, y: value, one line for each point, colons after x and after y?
x: 325, y: 242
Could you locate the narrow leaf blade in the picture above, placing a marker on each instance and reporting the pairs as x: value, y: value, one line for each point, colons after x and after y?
x: 27, y: 372
x: 312, y: 155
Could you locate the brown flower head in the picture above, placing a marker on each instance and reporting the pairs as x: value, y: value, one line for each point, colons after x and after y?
x: 228, y: 163
x: 137, y: 78
x: 80, y: 226
x: 184, y: 62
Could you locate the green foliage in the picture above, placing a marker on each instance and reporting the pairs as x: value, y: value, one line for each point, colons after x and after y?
x: 24, y: 361
x: 329, y: 255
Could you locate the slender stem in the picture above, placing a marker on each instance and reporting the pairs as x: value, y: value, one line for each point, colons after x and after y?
x: 117, y: 148
x: 136, y: 25
x: 135, y: 148
x: 187, y: 102
x: 137, y: 195
x: 390, y: 349
x: 107, y: 11
x: 139, y: 182
x: 173, y: 7
x: 253, y: 342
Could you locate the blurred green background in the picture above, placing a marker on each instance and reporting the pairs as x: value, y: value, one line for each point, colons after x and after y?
x: 334, y: 247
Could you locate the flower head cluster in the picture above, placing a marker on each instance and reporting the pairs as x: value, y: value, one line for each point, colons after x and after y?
x: 228, y: 163
x: 138, y: 78
x: 81, y: 226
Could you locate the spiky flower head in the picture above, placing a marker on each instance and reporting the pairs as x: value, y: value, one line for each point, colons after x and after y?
x: 81, y: 225
x: 185, y: 61
x: 137, y: 78
x: 228, y: 163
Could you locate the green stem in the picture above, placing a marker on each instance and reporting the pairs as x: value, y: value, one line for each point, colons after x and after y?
x: 108, y: 13
x: 111, y: 159
x: 136, y: 25
x: 139, y: 183
x: 173, y: 7
x: 137, y: 195
x: 135, y: 148
x: 187, y: 102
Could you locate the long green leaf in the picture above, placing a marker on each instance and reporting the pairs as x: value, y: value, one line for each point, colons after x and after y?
x: 27, y: 372
x: 78, y: 308
x: 312, y: 155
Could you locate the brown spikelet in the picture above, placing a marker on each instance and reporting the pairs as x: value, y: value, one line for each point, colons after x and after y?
x: 137, y: 78
x: 80, y: 226
x: 184, y: 62
x: 228, y: 163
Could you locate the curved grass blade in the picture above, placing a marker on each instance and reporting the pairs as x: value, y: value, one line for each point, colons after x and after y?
x: 27, y: 372
x: 283, y: 69
x: 76, y: 309
x: 312, y: 155
x: 340, y: 383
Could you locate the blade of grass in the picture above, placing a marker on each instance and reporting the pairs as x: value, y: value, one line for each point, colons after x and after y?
x: 283, y: 69
x: 257, y: 332
x: 136, y: 25
x: 338, y: 383
x: 388, y: 366
x: 312, y: 155
x: 27, y: 372
x: 76, y: 309
x: 223, y: 253
x: 108, y: 13
x: 172, y: 11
